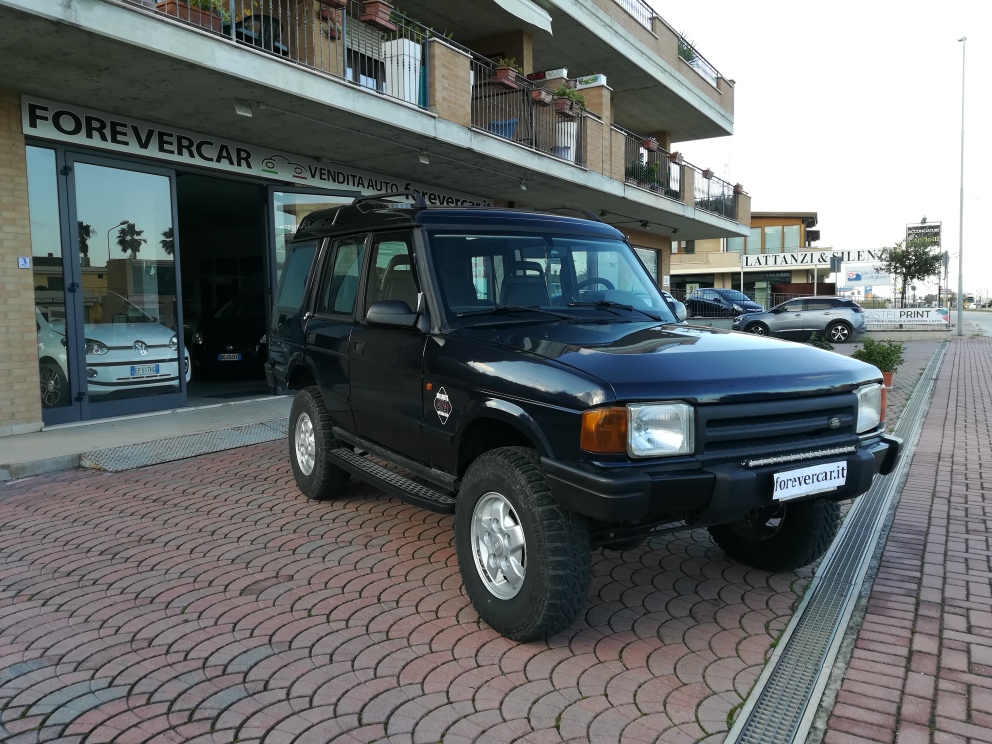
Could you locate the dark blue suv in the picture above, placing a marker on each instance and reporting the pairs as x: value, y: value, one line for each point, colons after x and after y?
x: 523, y: 371
x: 712, y: 302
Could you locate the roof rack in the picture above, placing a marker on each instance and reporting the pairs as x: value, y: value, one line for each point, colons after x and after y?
x: 581, y: 210
x: 360, y: 201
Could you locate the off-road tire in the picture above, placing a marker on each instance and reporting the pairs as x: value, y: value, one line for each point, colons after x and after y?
x: 806, y: 530
x: 839, y: 333
x: 325, y: 480
x: 557, y: 554
x: 758, y: 329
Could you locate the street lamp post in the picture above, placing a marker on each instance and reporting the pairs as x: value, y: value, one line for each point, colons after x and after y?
x: 964, y: 46
x: 119, y: 224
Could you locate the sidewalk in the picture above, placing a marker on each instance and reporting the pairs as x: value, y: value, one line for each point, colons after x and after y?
x: 921, y: 669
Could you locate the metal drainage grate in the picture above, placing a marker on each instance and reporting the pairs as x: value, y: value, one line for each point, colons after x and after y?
x: 784, y: 700
x: 128, y: 457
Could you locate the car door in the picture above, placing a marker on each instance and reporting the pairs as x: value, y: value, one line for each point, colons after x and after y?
x: 818, y: 314
x: 387, y: 362
x: 331, y: 324
x: 787, y: 320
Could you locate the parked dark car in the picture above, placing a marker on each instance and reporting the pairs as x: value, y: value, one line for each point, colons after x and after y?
x: 711, y: 302
x: 526, y: 373
x: 837, y: 319
x: 232, y: 339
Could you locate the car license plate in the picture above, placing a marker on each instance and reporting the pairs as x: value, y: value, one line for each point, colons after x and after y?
x: 791, y: 484
x: 140, y: 370
x: 229, y: 357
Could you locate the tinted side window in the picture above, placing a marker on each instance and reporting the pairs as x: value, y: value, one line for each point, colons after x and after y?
x: 391, y: 274
x: 793, y: 306
x: 819, y: 304
x: 339, y: 285
x: 294, y: 277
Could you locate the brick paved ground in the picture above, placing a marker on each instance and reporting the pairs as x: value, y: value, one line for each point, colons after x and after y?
x: 921, y: 669
x: 206, y: 600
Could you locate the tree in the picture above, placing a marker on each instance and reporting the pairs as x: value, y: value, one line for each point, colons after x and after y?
x: 168, y: 242
x: 907, y: 263
x: 85, y: 233
x: 129, y: 239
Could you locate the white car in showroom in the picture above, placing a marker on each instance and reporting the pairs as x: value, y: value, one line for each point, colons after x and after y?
x: 130, y: 355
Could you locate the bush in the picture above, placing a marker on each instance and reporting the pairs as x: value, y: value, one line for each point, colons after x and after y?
x: 819, y: 342
x: 886, y: 355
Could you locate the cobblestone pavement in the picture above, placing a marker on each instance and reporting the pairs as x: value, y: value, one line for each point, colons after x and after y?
x: 207, y: 600
x: 921, y: 669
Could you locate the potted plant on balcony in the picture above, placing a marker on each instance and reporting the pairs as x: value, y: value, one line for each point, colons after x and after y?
x: 568, y: 102
x: 886, y: 355
x: 336, y: 4
x: 650, y: 144
x: 541, y: 96
x: 675, y: 157
x: 738, y: 189
x: 707, y: 173
x: 505, y: 73
x: 687, y: 51
x: 209, y: 14
x: 378, y: 13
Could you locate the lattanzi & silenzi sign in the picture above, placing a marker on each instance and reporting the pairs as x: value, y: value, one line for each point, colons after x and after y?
x: 810, y: 258
x: 79, y: 126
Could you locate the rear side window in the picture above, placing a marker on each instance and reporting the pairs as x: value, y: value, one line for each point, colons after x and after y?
x: 819, y: 304
x: 294, y: 277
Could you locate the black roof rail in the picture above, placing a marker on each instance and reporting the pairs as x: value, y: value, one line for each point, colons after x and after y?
x: 418, y: 200
x: 581, y: 210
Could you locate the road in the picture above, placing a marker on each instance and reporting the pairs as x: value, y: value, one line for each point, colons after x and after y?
x: 982, y: 320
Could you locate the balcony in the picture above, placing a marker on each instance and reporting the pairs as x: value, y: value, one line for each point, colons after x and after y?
x: 387, y: 94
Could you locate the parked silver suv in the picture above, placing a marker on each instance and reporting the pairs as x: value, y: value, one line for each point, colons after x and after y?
x: 836, y: 319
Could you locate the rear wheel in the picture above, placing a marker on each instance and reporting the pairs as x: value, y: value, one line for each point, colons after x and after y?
x: 524, y: 559
x: 54, y: 385
x: 839, y: 333
x: 310, y: 440
x: 781, y: 537
x: 758, y: 329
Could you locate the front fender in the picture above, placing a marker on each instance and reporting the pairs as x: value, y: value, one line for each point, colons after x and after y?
x: 487, y: 407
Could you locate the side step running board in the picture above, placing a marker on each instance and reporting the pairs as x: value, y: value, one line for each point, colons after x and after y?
x: 392, y: 483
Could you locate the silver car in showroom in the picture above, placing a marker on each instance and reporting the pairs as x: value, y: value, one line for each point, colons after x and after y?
x: 836, y: 319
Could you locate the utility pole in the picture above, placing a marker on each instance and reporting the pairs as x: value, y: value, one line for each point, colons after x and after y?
x: 964, y: 47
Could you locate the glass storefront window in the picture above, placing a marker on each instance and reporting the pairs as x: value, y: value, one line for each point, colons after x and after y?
x: 130, y: 318
x: 49, y: 283
x: 650, y: 260
x: 290, y: 209
x: 735, y: 245
x: 754, y: 241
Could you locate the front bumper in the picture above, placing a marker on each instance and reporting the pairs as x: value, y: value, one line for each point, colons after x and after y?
x: 709, y: 495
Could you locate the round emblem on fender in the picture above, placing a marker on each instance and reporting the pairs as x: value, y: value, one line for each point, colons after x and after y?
x: 834, y: 423
x: 141, y: 347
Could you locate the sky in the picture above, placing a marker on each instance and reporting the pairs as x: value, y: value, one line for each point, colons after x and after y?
x: 852, y: 110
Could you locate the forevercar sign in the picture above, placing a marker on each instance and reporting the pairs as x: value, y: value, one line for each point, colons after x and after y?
x: 79, y: 126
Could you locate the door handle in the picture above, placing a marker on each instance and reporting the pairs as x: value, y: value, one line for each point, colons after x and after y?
x: 311, y: 337
x: 358, y: 347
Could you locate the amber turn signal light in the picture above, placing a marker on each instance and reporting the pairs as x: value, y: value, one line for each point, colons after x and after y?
x: 604, y: 430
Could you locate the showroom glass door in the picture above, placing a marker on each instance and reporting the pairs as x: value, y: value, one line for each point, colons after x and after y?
x: 124, y: 262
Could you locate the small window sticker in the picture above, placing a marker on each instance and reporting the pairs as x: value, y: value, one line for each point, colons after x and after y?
x: 442, y: 404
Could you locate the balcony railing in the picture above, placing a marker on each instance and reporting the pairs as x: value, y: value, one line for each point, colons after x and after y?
x: 714, y: 194
x: 508, y: 105
x: 639, y: 10
x: 384, y: 53
x: 651, y: 168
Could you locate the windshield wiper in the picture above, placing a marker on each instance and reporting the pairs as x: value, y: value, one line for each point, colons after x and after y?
x: 504, y: 309
x: 610, y: 305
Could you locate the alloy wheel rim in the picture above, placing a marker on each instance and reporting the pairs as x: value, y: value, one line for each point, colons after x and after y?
x: 51, y: 387
x: 839, y: 333
x: 500, y: 545
x: 304, y: 443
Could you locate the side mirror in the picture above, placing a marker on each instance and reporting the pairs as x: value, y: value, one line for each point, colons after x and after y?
x: 680, y: 312
x: 394, y: 313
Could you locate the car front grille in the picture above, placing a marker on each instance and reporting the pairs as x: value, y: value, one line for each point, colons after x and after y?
x: 745, y: 431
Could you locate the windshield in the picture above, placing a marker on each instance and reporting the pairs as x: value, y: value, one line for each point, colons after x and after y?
x: 574, y: 276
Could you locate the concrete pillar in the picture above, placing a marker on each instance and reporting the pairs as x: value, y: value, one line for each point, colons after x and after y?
x: 689, y: 186
x: 744, y: 210
x: 20, y: 399
x: 618, y: 150
x: 599, y: 139
x: 450, y: 84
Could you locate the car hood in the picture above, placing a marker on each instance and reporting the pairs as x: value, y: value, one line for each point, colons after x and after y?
x: 643, y: 361
x: 118, y: 334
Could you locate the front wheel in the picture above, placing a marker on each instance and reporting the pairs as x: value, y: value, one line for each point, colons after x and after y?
x: 54, y: 385
x: 758, y: 329
x: 781, y: 537
x: 310, y: 440
x: 839, y: 333
x: 525, y: 560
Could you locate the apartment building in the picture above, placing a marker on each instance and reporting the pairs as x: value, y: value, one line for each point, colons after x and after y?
x: 759, y: 264
x: 155, y: 155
